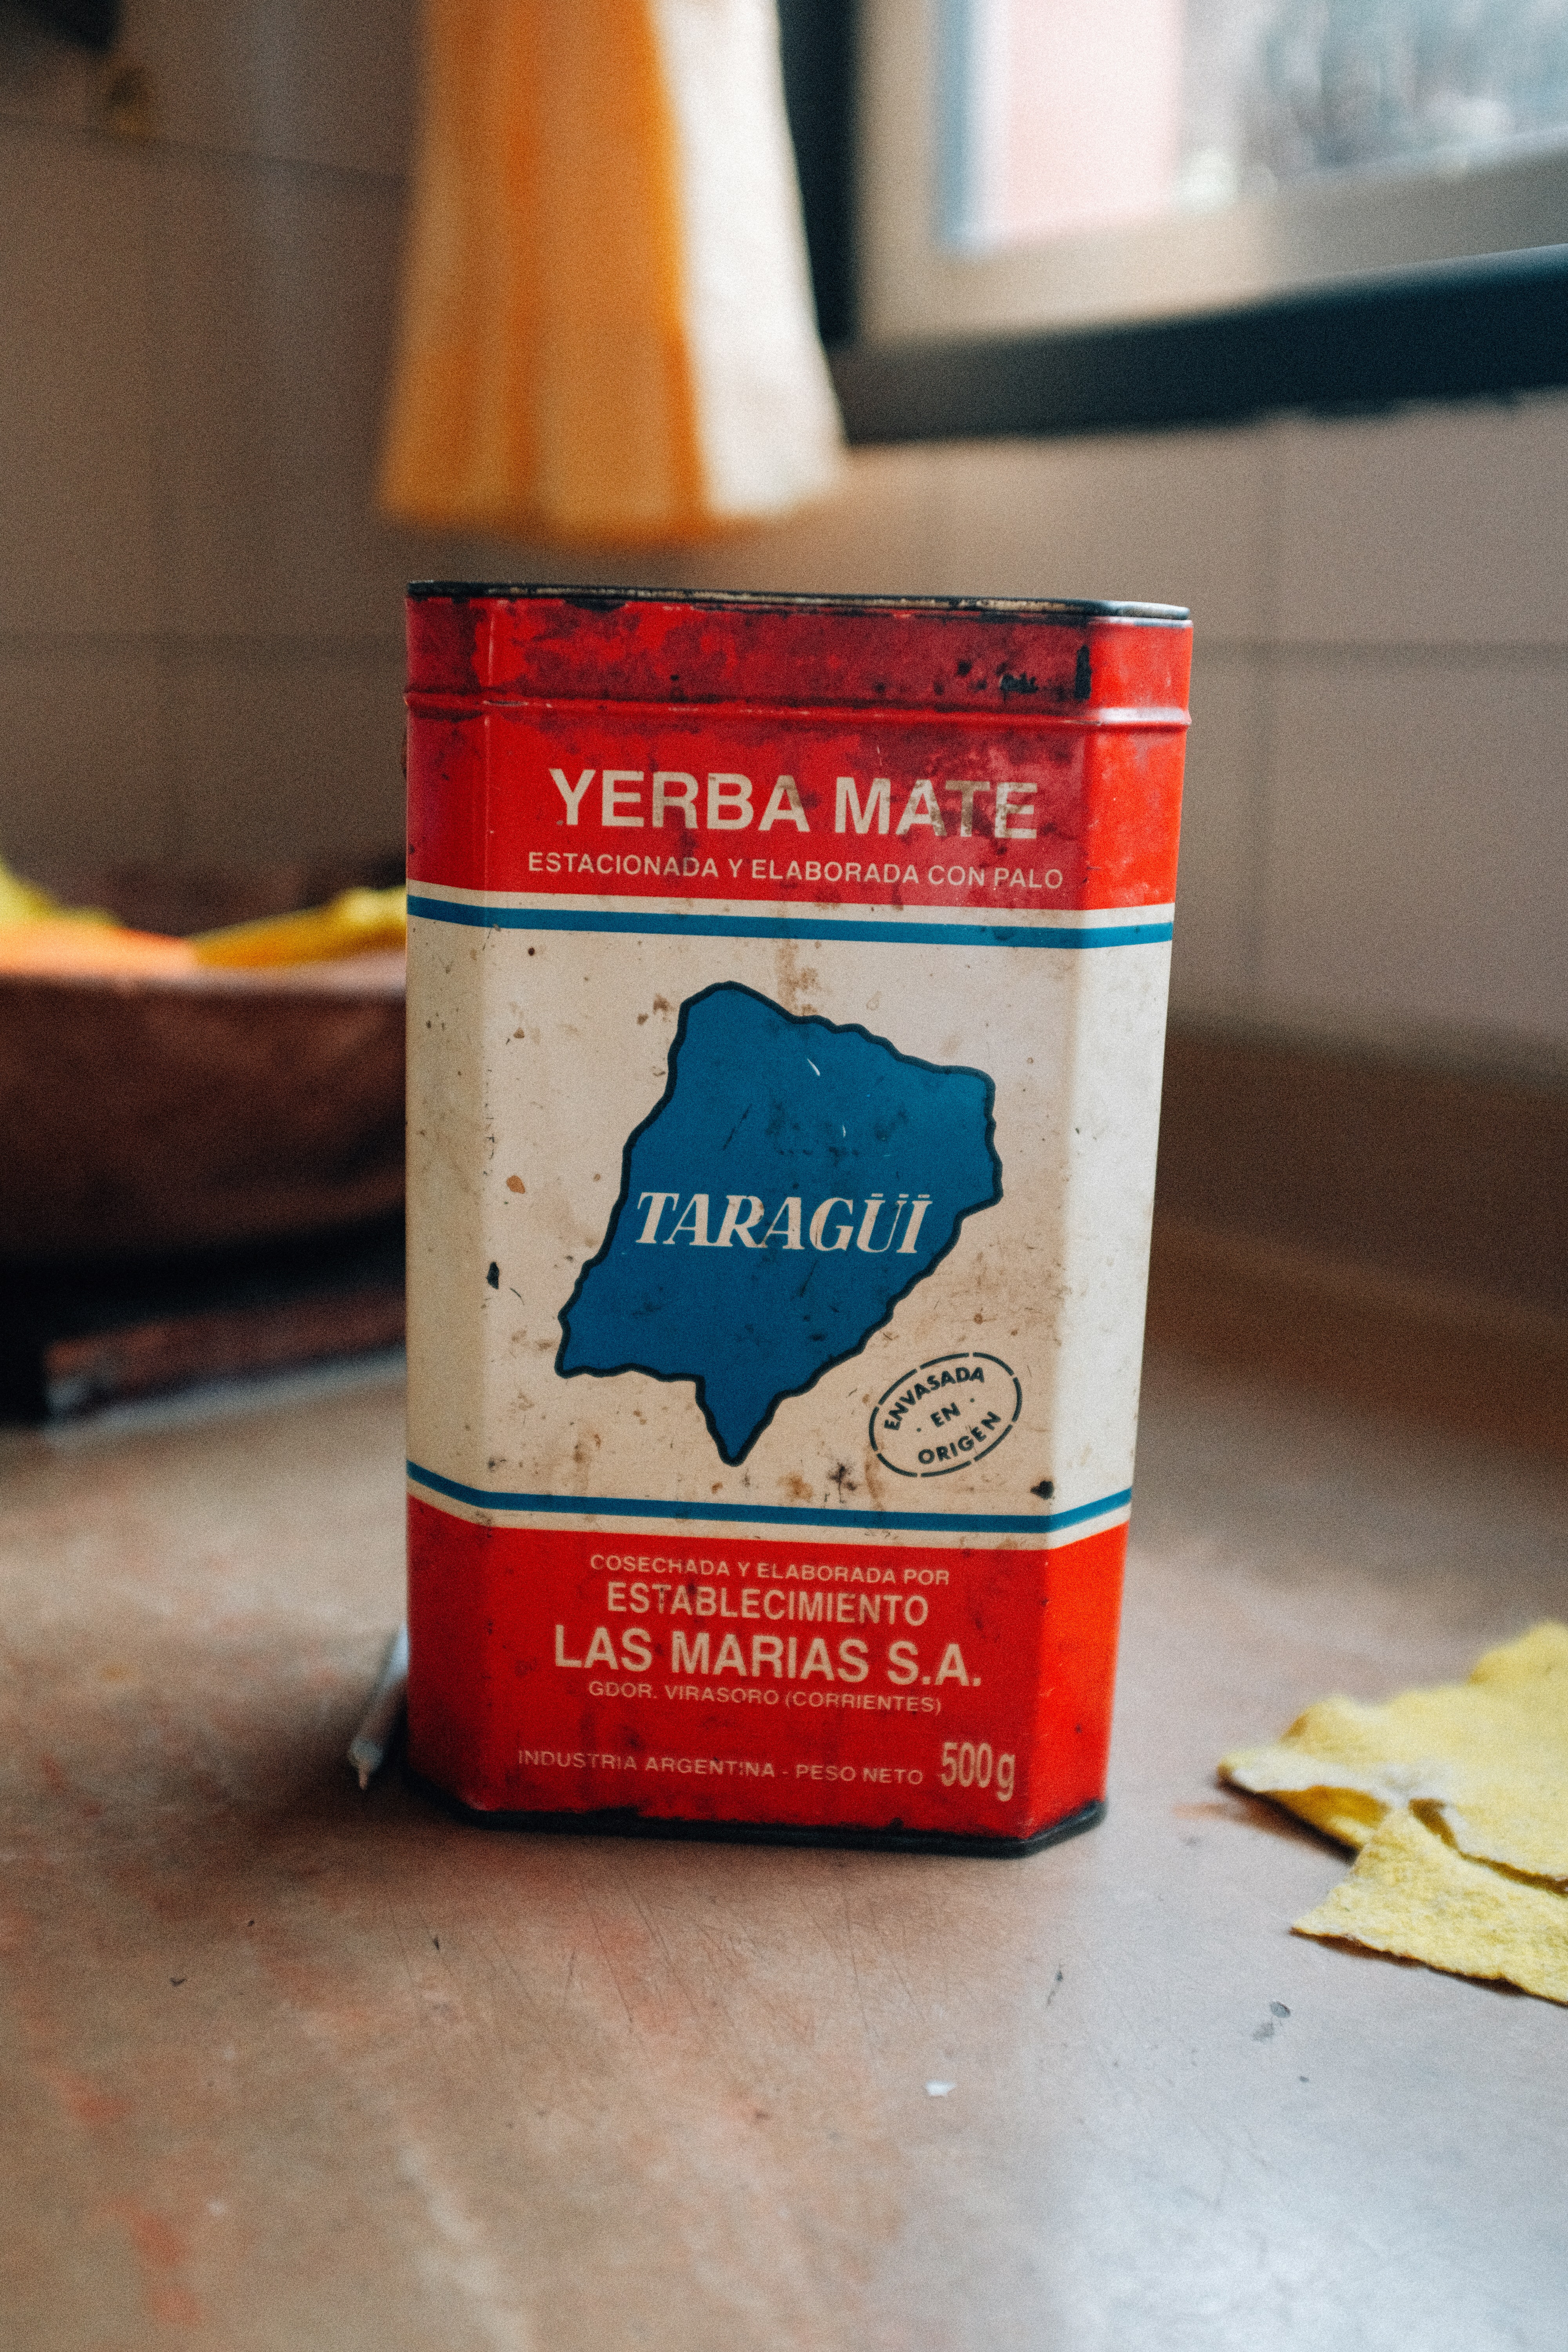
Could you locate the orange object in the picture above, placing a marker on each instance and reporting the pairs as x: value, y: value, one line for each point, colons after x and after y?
x: 607, y: 324
x: 65, y: 948
x: 357, y: 922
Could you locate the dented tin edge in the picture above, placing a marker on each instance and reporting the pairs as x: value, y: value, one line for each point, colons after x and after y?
x: 625, y: 1821
x: 1065, y: 610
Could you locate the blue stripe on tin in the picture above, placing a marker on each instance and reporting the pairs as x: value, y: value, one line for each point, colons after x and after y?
x: 627, y: 1506
x: 776, y: 926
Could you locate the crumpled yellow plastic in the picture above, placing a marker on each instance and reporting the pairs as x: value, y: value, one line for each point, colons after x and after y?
x: 1457, y: 1798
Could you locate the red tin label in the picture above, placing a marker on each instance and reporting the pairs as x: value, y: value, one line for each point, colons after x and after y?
x: 959, y: 1692
x: 681, y: 804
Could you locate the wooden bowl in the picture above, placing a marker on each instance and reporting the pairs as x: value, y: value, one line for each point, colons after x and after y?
x: 199, y: 1109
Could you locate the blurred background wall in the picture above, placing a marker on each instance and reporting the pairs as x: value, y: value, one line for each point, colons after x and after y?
x: 200, y: 615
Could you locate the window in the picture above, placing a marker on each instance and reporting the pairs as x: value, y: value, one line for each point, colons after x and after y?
x: 1073, y: 213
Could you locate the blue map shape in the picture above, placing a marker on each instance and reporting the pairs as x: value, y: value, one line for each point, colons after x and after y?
x: 843, y: 1171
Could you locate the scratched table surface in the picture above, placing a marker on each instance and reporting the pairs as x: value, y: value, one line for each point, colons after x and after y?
x: 288, y: 2067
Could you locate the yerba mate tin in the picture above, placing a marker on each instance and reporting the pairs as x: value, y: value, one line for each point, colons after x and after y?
x: 786, y: 1002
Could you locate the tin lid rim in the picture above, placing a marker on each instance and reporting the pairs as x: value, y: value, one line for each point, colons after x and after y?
x: 1065, y: 610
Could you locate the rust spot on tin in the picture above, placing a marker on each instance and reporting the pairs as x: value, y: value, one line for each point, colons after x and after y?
x: 794, y: 980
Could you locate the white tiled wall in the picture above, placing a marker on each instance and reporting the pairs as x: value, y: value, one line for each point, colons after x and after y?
x: 1376, y: 828
x: 329, y: 82
x: 77, y: 377
x: 200, y: 613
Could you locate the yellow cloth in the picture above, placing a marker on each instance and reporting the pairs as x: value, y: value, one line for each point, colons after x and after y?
x: 1411, y: 1895
x: 38, y: 935
x: 1457, y: 1800
x: 25, y: 902
x: 606, y: 331
x: 22, y: 902
x: 353, y: 923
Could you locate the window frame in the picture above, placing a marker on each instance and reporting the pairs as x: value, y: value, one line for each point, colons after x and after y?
x: 1316, y: 299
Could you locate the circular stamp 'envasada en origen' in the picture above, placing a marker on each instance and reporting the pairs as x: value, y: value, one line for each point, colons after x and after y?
x: 946, y: 1413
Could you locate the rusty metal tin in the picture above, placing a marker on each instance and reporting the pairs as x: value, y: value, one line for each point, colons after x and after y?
x: 787, y: 983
